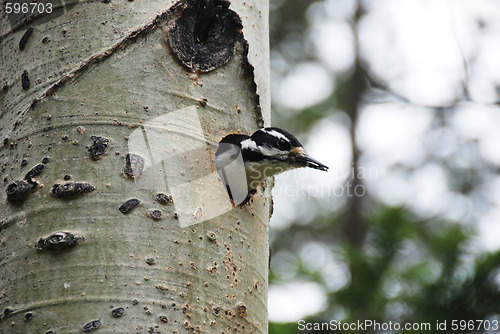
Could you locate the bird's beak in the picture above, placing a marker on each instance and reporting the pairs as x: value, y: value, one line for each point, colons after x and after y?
x: 305, y: 160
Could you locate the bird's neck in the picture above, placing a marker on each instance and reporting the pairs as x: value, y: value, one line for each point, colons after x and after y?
x: 258, y: 172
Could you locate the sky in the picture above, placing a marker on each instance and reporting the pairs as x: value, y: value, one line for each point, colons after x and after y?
x: 431, y: 53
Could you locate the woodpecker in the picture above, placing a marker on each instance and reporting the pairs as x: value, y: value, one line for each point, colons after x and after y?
x: 243, y: 162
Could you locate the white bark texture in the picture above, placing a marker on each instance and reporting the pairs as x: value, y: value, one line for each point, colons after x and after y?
x: 102, y: 74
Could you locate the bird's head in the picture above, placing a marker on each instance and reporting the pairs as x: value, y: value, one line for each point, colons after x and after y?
x: 278, y: 148
x: 245, y: 161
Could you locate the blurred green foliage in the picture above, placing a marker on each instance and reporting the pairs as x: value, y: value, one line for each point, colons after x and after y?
x: 407, y: 270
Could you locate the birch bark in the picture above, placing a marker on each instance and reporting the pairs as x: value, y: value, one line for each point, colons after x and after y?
x: 106, y: 98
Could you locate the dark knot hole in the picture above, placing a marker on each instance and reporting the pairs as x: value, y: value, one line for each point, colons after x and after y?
x: 207, y: 21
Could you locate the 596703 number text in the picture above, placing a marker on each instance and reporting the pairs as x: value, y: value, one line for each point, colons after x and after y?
x: 28, y: 8
x: 463, y: 325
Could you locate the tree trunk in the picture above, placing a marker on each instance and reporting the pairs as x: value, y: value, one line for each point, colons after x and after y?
x: 106, y: 106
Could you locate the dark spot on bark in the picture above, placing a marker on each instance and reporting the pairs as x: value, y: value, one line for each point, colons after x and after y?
x: 134, y: 165
x: 70, y: 189
x: 45, y: 40
x: 135, y: 302
x: 99, y: 146
x: 81, y: 130
x: 19, y: 189
x: 25, y: 80
x: 154, y: 330
x: 6, y: 312
x: 129, y: 205
x: 151, y: 261
x: 51, y: 331
x: 164, y: 199
x: 211, y: 236
x: 203, y: 102
x: 205, y: 34
x: 24, y: 162
x: 28, y: 316
x: 242, y: 309
x: 176, y: 216
x: 24, y: 39
x: 67, y: 177
x: 45, y: 160
x: 155, y: 214
x: 216, y: 310
x: 34, y: 172
x: 163, y: 318
x: 118, y: 312
x: 92, y: 325
x: 58, y: 241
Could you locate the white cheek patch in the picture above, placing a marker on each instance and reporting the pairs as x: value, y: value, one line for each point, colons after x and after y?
x: 273, y: 152
x: 249, y: 144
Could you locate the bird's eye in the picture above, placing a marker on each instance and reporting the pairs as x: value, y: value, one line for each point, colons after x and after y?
x: 283, y: 145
